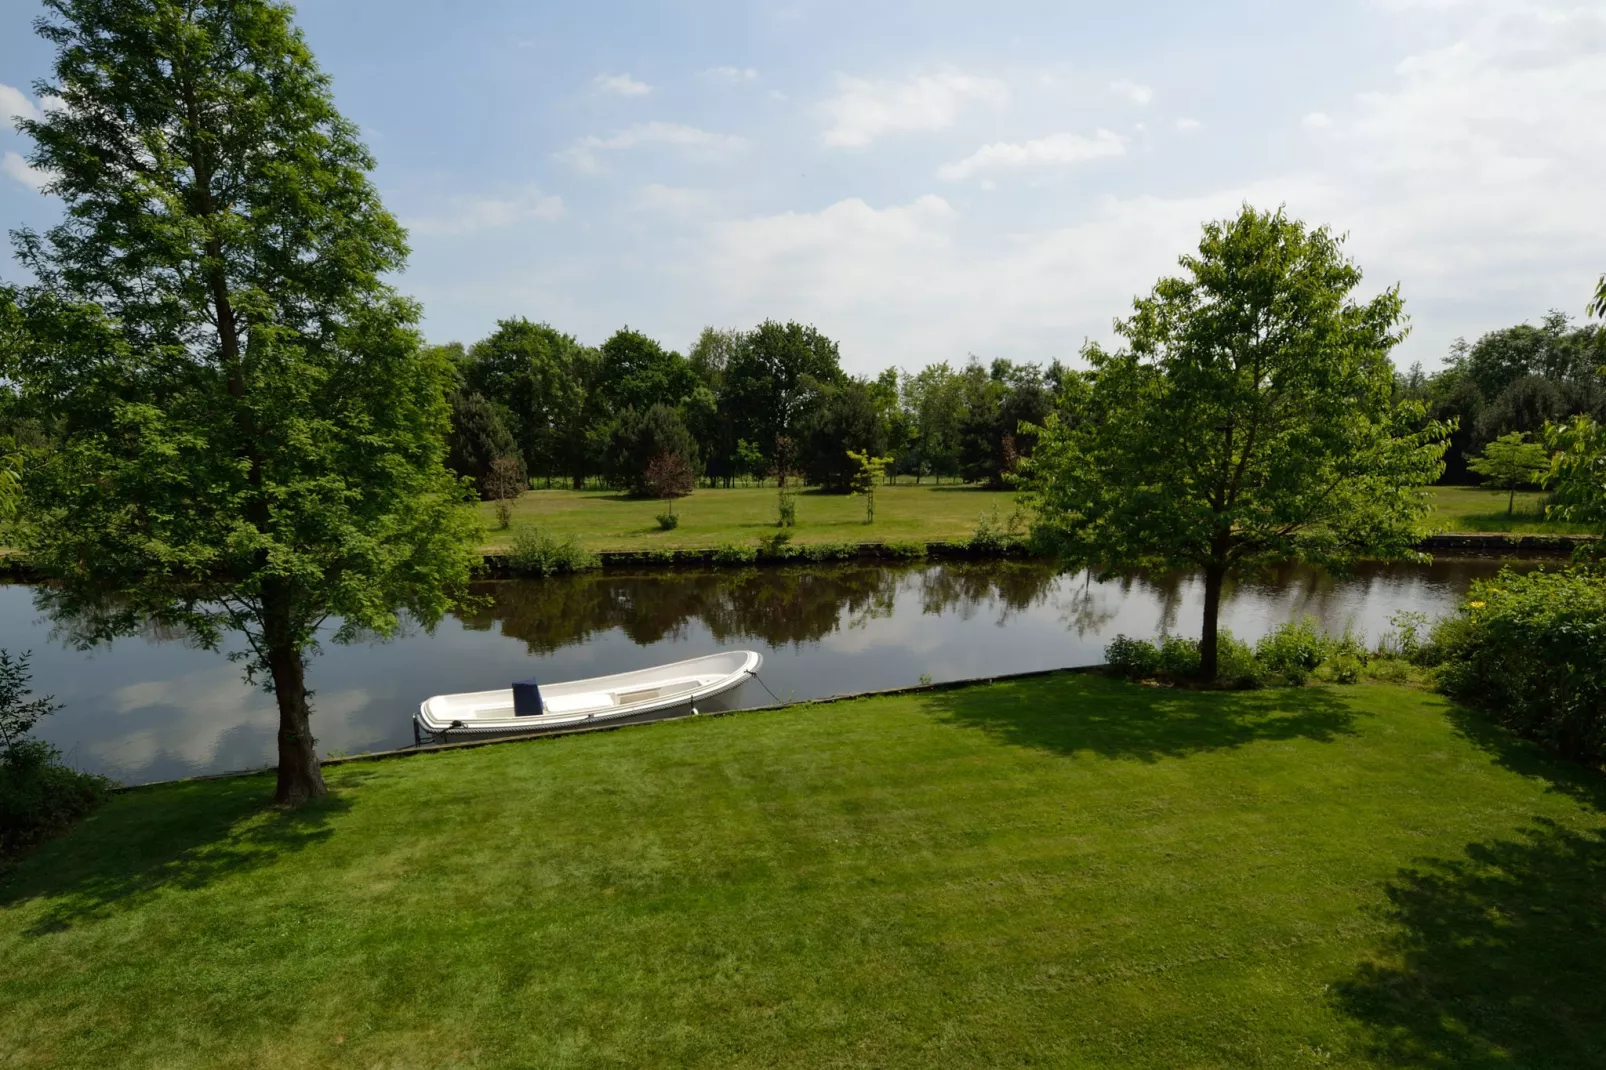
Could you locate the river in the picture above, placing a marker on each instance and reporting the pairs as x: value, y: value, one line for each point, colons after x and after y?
x: 154, y: 707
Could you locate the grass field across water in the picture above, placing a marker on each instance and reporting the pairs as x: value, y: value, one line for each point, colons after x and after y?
x: 1063, y: 871
x: 609, y: 520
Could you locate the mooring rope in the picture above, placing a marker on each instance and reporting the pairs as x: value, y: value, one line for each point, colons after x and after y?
x: 766, y: 687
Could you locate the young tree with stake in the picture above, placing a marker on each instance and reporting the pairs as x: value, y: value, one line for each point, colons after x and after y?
x: 1248, y: 421
x: 252, y: 437
x: 1509, y: 462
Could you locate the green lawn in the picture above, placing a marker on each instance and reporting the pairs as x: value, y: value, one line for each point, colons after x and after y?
x: 608, y: 520
x: 1064, y: 871
x: 1473, y: 509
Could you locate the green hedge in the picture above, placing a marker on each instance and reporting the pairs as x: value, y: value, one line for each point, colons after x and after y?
x: 1530, y: 651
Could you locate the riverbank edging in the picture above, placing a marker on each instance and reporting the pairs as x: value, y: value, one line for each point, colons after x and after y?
x: 1474, y: 544
x: 1478, y: 544
x: 558, y: 733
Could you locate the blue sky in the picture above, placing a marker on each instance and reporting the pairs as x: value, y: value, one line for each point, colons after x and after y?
x: 924, y: 181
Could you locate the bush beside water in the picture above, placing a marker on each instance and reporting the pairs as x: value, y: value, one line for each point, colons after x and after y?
x: 1291, y: 654
x: 39, y: 796
x: 540, y: 553
x: 1530, y: 650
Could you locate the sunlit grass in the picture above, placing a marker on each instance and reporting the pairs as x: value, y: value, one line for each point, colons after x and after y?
x: 609, y: 520
x: 1472, y: 509
x: 1063, y: 871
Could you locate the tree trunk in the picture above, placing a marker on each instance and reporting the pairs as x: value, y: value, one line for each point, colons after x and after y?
x: 579, y: 482
x: 300, y: 778
x: 1511, y: 502
x: 1208, y: 634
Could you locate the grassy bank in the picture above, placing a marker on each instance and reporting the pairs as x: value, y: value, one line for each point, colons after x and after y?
x: 606, y: 520
x: 1470, y: 509
x: 1060, y: 871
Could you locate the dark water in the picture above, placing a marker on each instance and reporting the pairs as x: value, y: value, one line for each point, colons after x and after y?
x: 152, y: 707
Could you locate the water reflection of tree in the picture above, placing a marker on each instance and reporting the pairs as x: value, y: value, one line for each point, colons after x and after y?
x: 777, y: 606
x: 961, y: 589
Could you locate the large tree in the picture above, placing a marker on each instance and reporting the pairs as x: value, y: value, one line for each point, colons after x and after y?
x: 773, y: 378
x: 1247, y: 421
x: 540, y: 380
x: 251, y: 437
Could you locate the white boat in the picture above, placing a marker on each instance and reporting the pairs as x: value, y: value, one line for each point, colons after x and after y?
x: 531, y: 707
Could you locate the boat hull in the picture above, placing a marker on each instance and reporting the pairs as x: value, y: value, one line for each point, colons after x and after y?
x: 622, y: 698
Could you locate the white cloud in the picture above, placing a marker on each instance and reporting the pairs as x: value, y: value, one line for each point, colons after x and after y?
x: 622, y: 85
x: 1055, y: 150
x: 15, y: 104
x: 863, y: 110
x: 914, y: 283
x: 584, y: 153
x: 15, y: 166
x: 731, y: 75
x: 465, y: 215
x: 1185, y: 125
x: 674, y: 201
x: 1136, y: 92
x: 1470, y: 177
x: 1317, y: 120
x: 1474, y: 177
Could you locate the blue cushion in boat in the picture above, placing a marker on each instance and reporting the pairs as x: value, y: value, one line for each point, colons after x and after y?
x: 526, y: 698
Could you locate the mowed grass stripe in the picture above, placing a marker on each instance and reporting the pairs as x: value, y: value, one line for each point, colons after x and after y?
x: 1058, y: 871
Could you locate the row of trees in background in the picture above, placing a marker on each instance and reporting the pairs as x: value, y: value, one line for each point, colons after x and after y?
x: 771, y: 402
x: 774, y: 402
x: 1514, y: 380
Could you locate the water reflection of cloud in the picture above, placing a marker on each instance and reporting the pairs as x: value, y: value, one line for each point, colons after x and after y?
x: 206, y: 719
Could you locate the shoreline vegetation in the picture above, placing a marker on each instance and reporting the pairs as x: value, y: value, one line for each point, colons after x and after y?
x: 736, y: 527
x: 777, y: 888
x: 723, y: 527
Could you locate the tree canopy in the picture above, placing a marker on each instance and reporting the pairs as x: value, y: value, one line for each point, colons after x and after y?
x: 250, y: 438
x: 1248, y: 420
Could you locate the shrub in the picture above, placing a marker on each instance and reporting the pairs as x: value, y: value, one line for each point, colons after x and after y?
x: 1389, y: 670
x: 540, y: 553
x: 1179, y: 658
x: 1406, y: 641
x: 1134, y: 659
x: 1236, y: 664
x: 778, y: 546
x: 735, y: 554
x: 668, y: 521
x: 993, y: 535
x: 1531, y: 651
x: 39, y: 797
x: 1344, y: 668
x: 1293, y: 650
x: 905, y: 548
x: 830, y: 551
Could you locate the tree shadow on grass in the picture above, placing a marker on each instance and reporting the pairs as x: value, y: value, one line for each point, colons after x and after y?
x: 182, y: 836
x: 1496, y: 958
x: 1120, y: 720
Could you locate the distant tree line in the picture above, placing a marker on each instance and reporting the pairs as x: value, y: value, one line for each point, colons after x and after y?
x: 771, y: 402
x: 1513, y: 380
